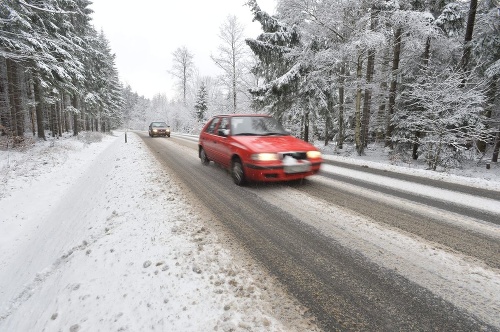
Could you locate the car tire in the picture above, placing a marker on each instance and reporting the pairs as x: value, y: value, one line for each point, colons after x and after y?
x: 204, y: 159
x: 237, y: 172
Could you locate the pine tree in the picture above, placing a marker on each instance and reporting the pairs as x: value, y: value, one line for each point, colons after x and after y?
x: 201, y: 106
x: 276, y: 64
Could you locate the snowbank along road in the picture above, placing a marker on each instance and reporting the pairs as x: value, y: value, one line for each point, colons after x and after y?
x: 364, y: 250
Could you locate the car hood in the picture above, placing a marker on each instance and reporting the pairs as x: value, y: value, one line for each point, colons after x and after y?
x: 273, y: 143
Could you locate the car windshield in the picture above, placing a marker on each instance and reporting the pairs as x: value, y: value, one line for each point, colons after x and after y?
x: 256, y: 126
x: 158, y: 124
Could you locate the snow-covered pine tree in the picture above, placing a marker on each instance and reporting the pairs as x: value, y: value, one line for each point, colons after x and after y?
x: 200, y: 105
x: 277, y: 66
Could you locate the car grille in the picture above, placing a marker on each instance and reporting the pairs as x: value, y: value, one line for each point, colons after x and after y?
x: 296, y: 155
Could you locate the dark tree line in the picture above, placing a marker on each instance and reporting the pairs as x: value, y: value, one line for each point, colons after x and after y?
x: 57, y: 74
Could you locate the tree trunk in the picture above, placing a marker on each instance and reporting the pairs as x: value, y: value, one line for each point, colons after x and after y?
x: 20, y: 93
x: 39, y: 109
x: 416, y: 145
x: 327, y: 124
x: 340, y: 136
x: 357, y: 110
x: 4, y: 96
x: 368, y: 97
x: 234, y: 78
x: 75, y: 115
x: 393, y: 87
x: 328, y: 117
x: 306, y: 126
x: 60, y: 116
x: 464, y: 64
x: 370, y: 68
x: 31, y: 98
x: 496, y: 149
x: 52, y: 121
x: 381, y: 117
x: 427, y: 53
x: 15, y: 98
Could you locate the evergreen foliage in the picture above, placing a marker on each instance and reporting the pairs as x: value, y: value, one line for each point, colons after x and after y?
x: 200, y: 105
x: 362, y: 71
x: 56, y: 66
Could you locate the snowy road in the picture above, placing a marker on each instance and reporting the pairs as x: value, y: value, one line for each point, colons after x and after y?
x: 118, y: 236
x: 363, y: 251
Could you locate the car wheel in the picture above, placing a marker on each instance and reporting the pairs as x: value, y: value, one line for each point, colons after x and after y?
x: 203, y: 156
x: 237, y: 172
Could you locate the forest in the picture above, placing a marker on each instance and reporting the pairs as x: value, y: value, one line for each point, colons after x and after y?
x: 57, y: 74
x: 420, y: 77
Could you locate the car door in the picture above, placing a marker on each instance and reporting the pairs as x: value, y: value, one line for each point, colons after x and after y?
x: 209, y: 137
x: 221, y: 145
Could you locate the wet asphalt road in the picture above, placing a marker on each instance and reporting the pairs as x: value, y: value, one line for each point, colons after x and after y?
x: 343, y: 289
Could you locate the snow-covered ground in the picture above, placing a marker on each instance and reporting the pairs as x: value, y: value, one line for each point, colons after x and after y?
x: 472, y: 173
x: 96, y: 237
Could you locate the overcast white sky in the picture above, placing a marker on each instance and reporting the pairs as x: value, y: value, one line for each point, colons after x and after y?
x: 144, y: 34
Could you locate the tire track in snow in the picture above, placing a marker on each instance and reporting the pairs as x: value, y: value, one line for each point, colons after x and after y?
x: 451, y: 276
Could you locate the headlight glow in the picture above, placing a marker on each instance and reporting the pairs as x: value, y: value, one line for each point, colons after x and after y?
x: 313, y: 154
x: 265, y: 156
x: 155, y: 130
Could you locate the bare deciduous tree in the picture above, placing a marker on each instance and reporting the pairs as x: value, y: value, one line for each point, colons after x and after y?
x: 231, y: 57
x: 182, y: 69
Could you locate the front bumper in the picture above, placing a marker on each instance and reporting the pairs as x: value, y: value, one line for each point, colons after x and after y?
x: 160, y: 133
x: 281, y: 172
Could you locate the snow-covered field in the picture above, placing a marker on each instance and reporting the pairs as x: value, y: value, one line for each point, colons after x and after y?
x: 97, y: 237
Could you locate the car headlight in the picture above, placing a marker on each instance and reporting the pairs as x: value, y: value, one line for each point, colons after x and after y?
x: 155, y: 130
x: 313, y: 154
x: 265, y: 156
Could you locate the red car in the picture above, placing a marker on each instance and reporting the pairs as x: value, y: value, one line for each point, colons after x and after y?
x: 256, y: 148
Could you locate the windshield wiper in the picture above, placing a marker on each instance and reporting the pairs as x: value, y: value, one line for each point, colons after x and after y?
x: 246, y: 134
x: 275, y: 133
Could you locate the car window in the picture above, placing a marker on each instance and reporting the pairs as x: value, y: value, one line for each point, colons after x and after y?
x: 224, y: 124
x: 158, y: 124
x: 213, y: 124
x: 256, y: 125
